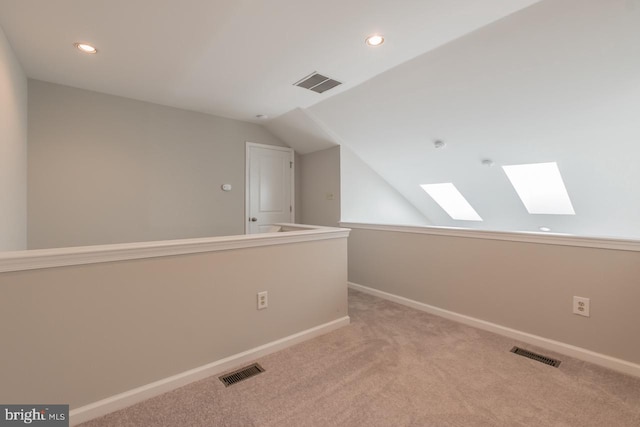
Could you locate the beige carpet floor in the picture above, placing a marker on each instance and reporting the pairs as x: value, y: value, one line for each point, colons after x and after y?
x: 395, y: 366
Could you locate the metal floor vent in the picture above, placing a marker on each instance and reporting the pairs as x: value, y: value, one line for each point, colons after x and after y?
x: 241, y: 374
x: 535, y: 356
x: 317, y: 83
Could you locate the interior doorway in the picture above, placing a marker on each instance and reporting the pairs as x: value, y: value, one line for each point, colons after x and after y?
x: 269, y: 187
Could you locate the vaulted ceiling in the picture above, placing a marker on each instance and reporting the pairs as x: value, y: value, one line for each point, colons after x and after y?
x: 557, y: 82
x: 517, y: 82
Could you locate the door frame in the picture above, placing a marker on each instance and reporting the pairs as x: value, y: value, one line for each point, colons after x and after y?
x: 247, y: 165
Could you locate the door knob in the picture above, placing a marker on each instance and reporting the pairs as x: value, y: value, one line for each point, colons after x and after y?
x: 253, y: 219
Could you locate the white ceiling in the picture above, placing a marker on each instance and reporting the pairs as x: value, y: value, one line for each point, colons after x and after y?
x: 233, y: 58
x: 302, y: 132
x: 557, y: 82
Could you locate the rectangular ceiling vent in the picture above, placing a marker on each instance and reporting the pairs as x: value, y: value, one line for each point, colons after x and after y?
x: 317, y: 83
x: 241, y: 374
x: 531, y: 355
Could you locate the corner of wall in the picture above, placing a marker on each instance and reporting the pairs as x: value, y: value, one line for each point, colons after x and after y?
x: 367, y: 197
x: 13, y: 149
x: 320, y: 187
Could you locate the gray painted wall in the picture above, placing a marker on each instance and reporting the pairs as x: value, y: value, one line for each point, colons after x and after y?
x: 106, y: 169
x: 13, y: 150
x: 320, y: 187
x: 297, y: 168
x: 82, y: 333
x: 524, y: 286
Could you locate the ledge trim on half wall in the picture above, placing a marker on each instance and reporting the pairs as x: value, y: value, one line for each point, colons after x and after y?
x: 603, y: 360
x: 59, y: 257
x: 546, y: 239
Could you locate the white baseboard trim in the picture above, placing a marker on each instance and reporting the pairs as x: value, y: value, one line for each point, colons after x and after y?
x: 131, y: 397
x: 549, y: 344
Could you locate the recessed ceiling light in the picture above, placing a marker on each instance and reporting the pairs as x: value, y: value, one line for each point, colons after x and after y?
x: 85, y: 48
x: 545, y: 229
x: 540, y: 188
x: 262, y: 116
x: 450, y: 199
x: 487, y: 162
x: 374, y: 40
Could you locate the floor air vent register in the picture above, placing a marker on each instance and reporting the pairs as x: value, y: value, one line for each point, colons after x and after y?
x: 241, y: 374
x: 535, y: 356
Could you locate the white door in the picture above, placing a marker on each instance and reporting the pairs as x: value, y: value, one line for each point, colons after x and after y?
x: 269, y: 192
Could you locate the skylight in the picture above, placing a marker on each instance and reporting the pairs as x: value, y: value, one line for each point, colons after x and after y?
x: 540, y: 188
x: 450, y: 199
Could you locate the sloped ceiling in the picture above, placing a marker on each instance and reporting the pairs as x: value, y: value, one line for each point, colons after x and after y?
x: 301, y: 132
x: 557, y: 82
x: 232, y: 58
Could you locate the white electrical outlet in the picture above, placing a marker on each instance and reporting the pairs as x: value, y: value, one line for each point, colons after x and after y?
x: 581, y: 306
x: 263, y: 300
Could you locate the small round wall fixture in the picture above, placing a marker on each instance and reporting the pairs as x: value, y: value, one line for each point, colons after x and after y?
x: 438, y: 143
x: 374, y: 40
x: 85, y: 48
x: 545, y: 229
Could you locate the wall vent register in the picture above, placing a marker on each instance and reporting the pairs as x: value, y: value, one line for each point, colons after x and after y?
x: 535, y: 356
x: 241, y: 374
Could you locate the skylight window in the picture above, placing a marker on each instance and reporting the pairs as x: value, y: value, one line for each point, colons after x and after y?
x: 450, y: 199
x: 540, y: 188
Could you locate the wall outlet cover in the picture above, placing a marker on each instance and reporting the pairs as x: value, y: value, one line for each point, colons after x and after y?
x: 263, y: 300
x: 581, y: 306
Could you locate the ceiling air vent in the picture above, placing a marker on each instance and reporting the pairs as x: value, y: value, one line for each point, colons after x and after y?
x: 317, y: 83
